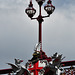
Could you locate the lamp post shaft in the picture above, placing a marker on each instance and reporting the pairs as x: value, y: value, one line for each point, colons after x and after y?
x: 40, y: 35
x: 40, y: 27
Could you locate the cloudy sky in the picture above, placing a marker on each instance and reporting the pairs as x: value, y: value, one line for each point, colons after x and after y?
x: 18, y: 34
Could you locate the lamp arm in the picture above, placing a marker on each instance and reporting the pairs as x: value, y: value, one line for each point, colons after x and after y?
x: 46, y: 16
x: 33, y: 18
x: 42, y: 17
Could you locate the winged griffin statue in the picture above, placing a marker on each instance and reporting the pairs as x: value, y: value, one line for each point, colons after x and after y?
x: 18, y: 68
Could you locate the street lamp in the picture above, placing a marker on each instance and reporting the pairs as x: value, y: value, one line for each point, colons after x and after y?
x: 30, y: 11
x: 49, y: 8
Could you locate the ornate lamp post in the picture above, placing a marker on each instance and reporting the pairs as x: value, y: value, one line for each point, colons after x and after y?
x: 30, y: 11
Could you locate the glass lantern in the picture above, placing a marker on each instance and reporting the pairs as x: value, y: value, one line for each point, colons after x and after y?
x: 30, y: 11
x: 49, y: 8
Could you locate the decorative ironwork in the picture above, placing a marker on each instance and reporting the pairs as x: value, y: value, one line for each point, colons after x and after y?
x: 68, y: 71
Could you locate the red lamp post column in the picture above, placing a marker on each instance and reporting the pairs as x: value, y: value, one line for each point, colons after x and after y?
x: 40, y: 35
x: 40, y: 20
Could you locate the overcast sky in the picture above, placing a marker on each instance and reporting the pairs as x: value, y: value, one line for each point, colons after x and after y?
x: 18, y: 34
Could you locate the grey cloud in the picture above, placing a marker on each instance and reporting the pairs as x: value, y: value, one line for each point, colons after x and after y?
x: 18, y: 34
x: 61, y: 3
x: 10, y: 4
x: 61, y: 28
